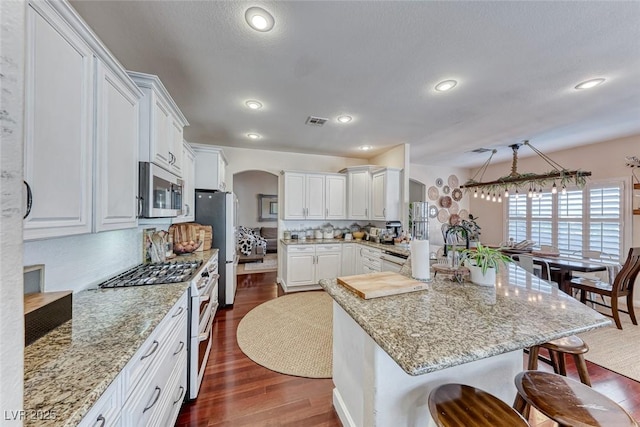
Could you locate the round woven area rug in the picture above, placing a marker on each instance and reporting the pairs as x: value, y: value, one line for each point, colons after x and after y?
x: 291, y: 334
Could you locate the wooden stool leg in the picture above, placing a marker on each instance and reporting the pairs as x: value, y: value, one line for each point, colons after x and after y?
x: 522, y: 406
x: 582, y: 369
x: 533, y: 358
x: 616, y: 313
x: 562, y: 365
x: 554, y: 361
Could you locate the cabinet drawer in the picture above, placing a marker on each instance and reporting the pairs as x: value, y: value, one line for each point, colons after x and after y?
x: 301, y: 248
x: 329, y: 248
x: 369, y: 269
x: 106, y: 410
x: 154, y: 345
x: 176, y: 390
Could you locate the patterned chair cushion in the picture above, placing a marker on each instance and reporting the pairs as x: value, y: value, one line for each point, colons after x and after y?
x: 249, y: 239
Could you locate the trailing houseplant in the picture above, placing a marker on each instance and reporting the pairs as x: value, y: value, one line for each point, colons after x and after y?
x: 483, y: 263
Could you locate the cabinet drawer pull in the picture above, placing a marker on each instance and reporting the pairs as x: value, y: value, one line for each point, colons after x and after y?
x: 180, y: 310
x: 181, y: 395
x: 180, y: 349
x: 155, y: 347
x: 29, y: 199
x: 326, y: 213
x: 100, y: 420
x: 157, y: 392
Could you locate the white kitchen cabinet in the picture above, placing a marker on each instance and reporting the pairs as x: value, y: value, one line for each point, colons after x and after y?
x: 386, y: 195
x: 335, y: 196
x: 370, y: 258
x: 314, y: 196
x: 349, y: 259
x: 358, y: 266
x: 358, y: 193
x: 210, y: 167
x: 161, y: 124
x: 305, y: 265
x: 59, y: 126
x: 116, y: 151
x: 188, y: 185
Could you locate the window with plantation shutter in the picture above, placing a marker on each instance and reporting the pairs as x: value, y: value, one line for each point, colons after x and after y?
x: 589, y: 219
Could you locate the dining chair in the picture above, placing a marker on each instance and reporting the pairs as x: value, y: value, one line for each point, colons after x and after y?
x: 622, y: 286
x: 526, y: 261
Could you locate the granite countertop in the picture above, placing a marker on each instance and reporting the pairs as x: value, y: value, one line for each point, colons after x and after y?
x: 450, y: 323
x: 68, y: 369
x: 391, y: 248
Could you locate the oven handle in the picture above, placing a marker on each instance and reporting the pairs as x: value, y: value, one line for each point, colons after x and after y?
x: 207, y: 333
x: 206, y: 294
x: 392, y: 261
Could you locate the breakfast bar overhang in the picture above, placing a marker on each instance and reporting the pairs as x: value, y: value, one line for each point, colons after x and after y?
x: 390, y: 352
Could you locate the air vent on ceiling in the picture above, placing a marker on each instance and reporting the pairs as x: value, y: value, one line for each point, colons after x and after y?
x: 315, y: 121
x: 481, y: 150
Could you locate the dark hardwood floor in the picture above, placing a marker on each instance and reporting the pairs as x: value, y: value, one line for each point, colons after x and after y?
x: 238, y: 392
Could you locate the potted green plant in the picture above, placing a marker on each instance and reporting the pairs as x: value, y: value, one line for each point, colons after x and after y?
x: 483, y: 263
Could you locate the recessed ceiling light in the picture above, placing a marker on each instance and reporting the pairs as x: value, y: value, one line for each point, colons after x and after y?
x: 253, y: 136
x: 254, y: 105
x: 446, y: 85
x: 365, y: 147
x: 259, y: 19
x: 590, y: 83
x: 345, y: 119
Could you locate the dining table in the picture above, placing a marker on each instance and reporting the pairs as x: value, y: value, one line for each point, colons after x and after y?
x: 562, y: 268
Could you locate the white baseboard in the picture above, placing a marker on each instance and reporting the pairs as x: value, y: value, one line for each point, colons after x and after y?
x: 341, y: 410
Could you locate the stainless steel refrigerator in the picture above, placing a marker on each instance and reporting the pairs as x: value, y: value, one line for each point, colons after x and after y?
x: 218, y: 209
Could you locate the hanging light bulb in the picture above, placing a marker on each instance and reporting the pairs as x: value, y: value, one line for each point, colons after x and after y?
x: 475, y: 194
x: 499, y: 198
x: 540, y: 193
x: 530, y: 193
x: 554, y: 189
x: 482, y: 194
x: 564, y: 190
x: 517, y: 194
x: 506, y: 193
x: 494, y: 197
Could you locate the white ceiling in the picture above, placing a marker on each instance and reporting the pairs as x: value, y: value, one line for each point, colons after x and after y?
x: 516, y: 64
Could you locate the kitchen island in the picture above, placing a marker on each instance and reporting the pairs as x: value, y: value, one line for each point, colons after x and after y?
x: 390, y: 352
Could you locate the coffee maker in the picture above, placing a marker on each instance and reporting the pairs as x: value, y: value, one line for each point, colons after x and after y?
x: 394, y: 228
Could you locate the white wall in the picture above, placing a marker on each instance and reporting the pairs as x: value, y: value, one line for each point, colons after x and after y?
x: 428, y: 175
x: 11, y: 284
x: 247, y: 185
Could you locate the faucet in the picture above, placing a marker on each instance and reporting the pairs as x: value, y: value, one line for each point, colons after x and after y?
x: 456, y: 230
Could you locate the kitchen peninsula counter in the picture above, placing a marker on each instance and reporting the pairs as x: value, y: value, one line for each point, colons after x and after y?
x: 390, y: 352
x: 67, y: 370
x: 391, y: 248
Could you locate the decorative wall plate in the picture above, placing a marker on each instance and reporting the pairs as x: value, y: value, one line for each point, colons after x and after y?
x: 446, y: 189
x: 452, y: 181
x: 433, y: 211
x: 443, y: 215
x: 453, y: 209
x: 464, y: 214
x: 445, y: 202
x: 456, y: 194
x: 439, y: 182
x: 433, y: 193
x: 454, y: 219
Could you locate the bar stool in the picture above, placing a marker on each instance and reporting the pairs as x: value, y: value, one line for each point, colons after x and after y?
x: 458, y: 405
x: 572, y: 345
x: 568, y: 402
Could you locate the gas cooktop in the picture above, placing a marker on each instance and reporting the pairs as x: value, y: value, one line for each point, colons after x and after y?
x: 154, y: 274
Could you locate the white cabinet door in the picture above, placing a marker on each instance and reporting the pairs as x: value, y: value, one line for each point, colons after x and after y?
x: 116, y: 153
x: 358, y: 264
x: 328, y: 265
x: 222, y: 170
x: 359, y: 187
x: 301, y: 268
x: 348, y: 259
x: 160, y: 136
x: 177, y: 141
x: 378, y: 196
x: 209, y: 168
x: 59, y: 85
x: 188, y: 184
x: 335, y: 197
x: 314, y: 196
x: 294, y: 195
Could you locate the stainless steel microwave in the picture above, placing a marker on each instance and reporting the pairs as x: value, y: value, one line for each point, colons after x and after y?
x: 160, y: 192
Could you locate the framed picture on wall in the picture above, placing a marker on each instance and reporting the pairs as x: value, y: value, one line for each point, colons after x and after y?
x: 267, y: 207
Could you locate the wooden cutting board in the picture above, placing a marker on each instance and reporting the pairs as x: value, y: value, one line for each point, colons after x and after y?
x: 374, y: 285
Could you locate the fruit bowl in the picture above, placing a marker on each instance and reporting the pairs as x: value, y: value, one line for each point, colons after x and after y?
x: 358, y: 235
x: 181, y: 248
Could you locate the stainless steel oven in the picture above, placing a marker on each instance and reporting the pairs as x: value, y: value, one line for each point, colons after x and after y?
x: 159, y: 192
x: 204, y: 304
